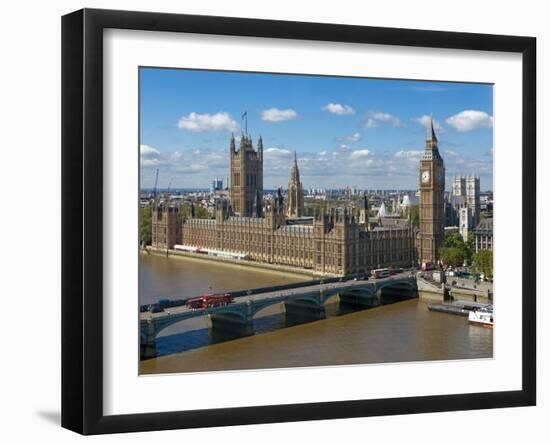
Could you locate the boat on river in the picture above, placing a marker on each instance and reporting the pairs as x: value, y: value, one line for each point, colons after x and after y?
x: 482, y: 317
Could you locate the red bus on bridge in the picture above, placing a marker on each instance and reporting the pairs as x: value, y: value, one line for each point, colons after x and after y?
x: 209, y: 301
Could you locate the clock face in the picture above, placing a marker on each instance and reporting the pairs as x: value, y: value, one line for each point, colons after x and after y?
x: 425, y: 176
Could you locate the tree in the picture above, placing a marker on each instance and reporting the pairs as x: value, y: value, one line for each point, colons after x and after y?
x: 452, y: 256
x: 200, y: 212
x: 145, y: 225
x: 483, y: 263
x: 471, y: 246
x: 415, y: 215
x: 455, y: 241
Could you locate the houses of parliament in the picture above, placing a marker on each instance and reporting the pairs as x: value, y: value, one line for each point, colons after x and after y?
x: 338, y: 241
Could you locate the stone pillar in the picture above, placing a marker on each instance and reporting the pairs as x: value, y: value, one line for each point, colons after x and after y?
x: 148, y: 347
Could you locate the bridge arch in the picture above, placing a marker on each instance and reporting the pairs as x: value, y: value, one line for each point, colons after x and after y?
x: 149, y: 332
x: 409, y: 284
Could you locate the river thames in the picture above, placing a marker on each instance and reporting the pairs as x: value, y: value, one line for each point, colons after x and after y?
x: 397, y: 331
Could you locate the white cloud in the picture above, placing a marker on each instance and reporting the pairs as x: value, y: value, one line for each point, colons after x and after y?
x: 377, y: 118
x: 338, y: 109
x: 470, y: 120
x: 221, y: 121
x: 146, y: 150
x: 277, y: 152
x: 355, y: 137
x: 148, y: 162
x: 411, y: 154
x: 359, y: 154
x: 425, y: 121
x: 149, y: 156
x: 275, y: 115
x: 449, y: 152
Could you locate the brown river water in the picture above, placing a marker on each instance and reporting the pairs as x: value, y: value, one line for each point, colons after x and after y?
x: 398, y: 331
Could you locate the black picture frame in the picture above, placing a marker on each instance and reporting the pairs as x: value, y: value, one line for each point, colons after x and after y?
x: 82, y: 218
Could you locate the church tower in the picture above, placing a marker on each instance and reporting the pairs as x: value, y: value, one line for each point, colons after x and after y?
x: 246, y: 176
x: 295, y: 197
x: 431, y: 183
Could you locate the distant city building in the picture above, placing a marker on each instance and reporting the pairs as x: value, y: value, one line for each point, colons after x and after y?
x: 483, y: 234
x: 408, y: 201
x: 465, y: 193
x: 459, y: 185
x: 465, y: 222
x: 295, y: 193
x: 216, y: 185
x: 382, y: 211
x: 472, y: 197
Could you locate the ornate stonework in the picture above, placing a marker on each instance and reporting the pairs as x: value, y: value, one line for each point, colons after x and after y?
x: 431, y: 183
x: 246, y: 177
x: 295, y: 194
x: 338, y: 242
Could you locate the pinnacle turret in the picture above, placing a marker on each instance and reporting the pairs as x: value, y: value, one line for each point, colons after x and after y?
x: 431, y: 132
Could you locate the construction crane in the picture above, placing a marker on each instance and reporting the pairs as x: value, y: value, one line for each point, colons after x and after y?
x: 169, y: 186
x: 155, y: 188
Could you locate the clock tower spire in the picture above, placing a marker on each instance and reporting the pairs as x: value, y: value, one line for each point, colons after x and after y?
x: 432, y: 195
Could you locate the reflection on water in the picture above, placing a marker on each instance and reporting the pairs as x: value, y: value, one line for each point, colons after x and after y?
x: 393, y: 332
x: 272, y: 318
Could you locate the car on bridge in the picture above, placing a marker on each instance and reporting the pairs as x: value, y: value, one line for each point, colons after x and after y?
x: 209, y: 301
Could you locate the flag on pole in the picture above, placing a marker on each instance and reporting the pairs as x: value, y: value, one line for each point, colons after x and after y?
x: 245, y: 117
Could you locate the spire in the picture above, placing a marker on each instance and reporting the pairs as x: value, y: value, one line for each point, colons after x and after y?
x: 295, y: 172
x: 431, y: 150
x: 260, y: 147
x: 431, y: 132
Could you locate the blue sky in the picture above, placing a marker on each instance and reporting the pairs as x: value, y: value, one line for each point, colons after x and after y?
x: 359, y: 132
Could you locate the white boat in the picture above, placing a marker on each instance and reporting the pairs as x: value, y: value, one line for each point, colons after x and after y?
x: 482, y: 317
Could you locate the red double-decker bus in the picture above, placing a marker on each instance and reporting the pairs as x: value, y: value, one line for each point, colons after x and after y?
x: 209, y: 301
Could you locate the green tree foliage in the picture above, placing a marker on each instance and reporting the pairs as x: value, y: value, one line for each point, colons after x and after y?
x: 471, y: 245
x: 415, y: 215
x: 313, y: 207
x: 455, y: 250
x: 483, y: 263
x: 200, y: 212
x: 145, y: 226
x: 452, y: 256
x: 454, y: 240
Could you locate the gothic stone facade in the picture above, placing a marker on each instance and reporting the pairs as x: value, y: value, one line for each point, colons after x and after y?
x: 339, y: 242
x: 335, y: 244
x: 432, y: 200
x: 295, y: 194
x: 246, y: 183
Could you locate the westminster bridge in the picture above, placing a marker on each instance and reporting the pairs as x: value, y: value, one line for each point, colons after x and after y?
x: 298, y: 299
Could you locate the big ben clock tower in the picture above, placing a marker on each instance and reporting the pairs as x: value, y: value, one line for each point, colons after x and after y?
x: 432, y: 194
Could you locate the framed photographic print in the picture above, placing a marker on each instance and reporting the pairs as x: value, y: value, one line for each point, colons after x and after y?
x: 269, y: 221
